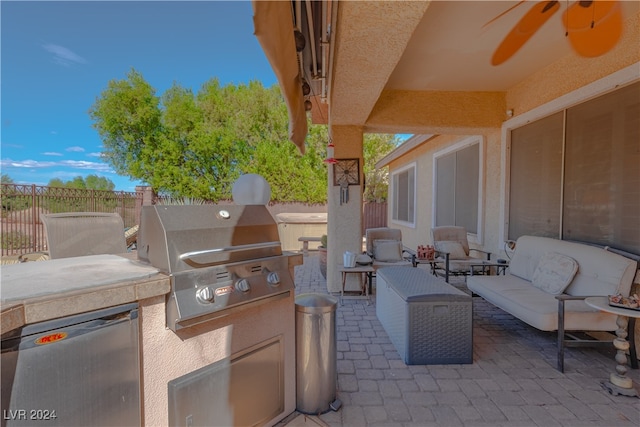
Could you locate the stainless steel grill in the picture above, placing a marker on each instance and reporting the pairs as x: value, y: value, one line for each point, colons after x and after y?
x: 219, y: 258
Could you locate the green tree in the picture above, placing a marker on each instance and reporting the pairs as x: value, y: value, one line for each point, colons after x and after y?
x: 375, y: 147
x: 196, y: 145
x: 95, y: 182
x: 91, y: 182
x: 83, y: 199
x: 128, y: 119
x: 12, y: 200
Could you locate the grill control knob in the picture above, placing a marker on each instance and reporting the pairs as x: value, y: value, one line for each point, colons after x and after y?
x: 273, y: 278
x: 205, y: 295
x: 243, y: 285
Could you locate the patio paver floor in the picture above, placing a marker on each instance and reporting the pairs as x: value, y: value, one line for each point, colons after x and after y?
x: 512, y: 381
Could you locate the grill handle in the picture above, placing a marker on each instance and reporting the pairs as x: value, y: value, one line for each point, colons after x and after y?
x: 188, y: 256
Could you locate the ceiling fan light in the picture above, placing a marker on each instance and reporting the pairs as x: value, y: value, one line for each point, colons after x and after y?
x: 593, y: 31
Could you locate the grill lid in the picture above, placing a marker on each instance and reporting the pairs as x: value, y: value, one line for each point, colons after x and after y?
x: 181, y: 238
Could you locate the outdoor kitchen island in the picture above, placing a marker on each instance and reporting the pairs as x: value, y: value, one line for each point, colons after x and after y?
x: 36, y: 292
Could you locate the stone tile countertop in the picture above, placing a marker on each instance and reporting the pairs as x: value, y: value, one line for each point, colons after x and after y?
x: 37, y: 291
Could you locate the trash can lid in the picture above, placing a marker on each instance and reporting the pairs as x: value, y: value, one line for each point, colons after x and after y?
x: 315, y: 303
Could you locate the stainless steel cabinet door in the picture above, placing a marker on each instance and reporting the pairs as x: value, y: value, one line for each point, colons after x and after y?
x: 78, y: 371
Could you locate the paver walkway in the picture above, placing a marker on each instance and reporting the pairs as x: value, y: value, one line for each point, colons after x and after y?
x: 512, y: 381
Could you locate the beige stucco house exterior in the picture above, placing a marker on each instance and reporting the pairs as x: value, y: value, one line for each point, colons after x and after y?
x: 424, y: 68
x: 533, y: 104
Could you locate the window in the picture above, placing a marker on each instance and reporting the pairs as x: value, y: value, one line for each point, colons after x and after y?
x: 404, y: 195
x: 575, y: 175
x: 457, y: 189
x: 536, y: 169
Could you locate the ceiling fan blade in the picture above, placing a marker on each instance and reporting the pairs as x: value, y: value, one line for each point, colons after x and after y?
x: 593, y: 27
x: 524, y: 29
x: 503, y: 13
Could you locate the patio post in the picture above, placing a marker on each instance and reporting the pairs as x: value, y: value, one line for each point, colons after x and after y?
x: 344, y: 221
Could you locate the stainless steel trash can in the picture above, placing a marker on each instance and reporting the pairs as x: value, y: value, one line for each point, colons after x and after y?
x: 316, y: 374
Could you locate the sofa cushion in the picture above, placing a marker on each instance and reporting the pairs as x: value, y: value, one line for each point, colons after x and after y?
x: 387, y: 250
x: 554, y: 272
x: 600, y: 272
x: 524, y: 261
x: 455, y: 249
x: 537, y: 308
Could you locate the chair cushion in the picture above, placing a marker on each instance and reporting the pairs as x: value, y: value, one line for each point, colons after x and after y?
x: 554, y: 272
x: 387, y: 250
x: 455, y: 249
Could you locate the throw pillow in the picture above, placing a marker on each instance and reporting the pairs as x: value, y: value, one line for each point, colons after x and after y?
x: 455, y: 249
x: 387, y: 250
x: 554, y: 272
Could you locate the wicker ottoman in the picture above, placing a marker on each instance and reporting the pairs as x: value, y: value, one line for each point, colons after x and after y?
x: 429, y: 321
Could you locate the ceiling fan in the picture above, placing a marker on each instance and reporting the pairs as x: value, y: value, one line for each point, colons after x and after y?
x: 592, y: 27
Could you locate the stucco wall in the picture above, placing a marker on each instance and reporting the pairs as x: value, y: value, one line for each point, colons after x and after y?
x: 423, y: 157
x: 344, y: 221
x: 167, y: 355
x: 563, y: 77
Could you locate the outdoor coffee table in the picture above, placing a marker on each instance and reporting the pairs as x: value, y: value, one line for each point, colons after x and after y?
x: 363, y: 271
x: 618, y: 382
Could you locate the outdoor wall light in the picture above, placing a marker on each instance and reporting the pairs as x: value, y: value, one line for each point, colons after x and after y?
x: 510, y: 112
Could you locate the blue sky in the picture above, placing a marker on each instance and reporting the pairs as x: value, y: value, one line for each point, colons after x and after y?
x: 57, y: 57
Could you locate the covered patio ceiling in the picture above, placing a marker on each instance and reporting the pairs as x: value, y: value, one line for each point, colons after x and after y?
x: 421, y: 67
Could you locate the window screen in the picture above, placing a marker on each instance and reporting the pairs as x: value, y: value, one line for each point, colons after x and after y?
x: 404, y: 195
x: 602, y: 172
x: 457, y: 178
x: 595, y: 196
x: 536, y: 169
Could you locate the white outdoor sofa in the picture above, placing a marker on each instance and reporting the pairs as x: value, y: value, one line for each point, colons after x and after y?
x: 543, y: 288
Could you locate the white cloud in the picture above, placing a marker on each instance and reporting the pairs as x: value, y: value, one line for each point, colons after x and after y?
x: 73, y: 164
x: 80, y: 164
x: 63, y: 56
x: 98, y: 154
x: 75, y: 149
x: 8, y: 163
x: 51, y: 153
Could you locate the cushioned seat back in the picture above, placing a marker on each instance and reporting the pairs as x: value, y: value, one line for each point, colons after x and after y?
x: 382, y: 233
x: 449, y: 233
x: 84, y: 233
x: 600, y: 272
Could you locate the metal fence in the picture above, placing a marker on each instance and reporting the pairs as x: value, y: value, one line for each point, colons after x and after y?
x: 21, y: 228
x: 22, y: 232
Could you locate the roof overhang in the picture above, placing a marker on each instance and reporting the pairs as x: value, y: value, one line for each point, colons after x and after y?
x: 273, y: 23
